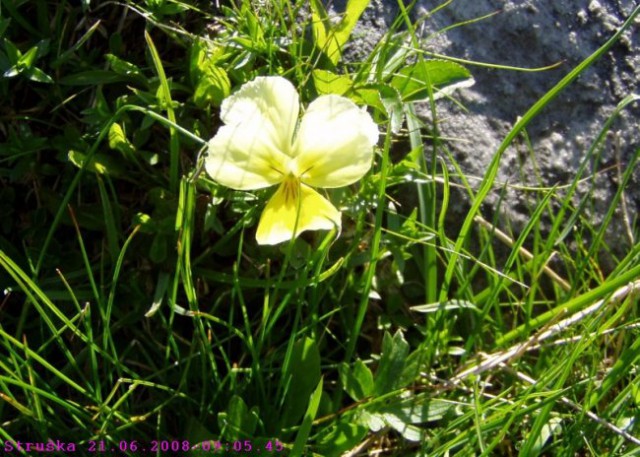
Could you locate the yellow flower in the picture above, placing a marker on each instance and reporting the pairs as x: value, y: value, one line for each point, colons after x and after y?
x: 262, y: 144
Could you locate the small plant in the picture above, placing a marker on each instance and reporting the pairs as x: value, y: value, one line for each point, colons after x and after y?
x: 160, y: 297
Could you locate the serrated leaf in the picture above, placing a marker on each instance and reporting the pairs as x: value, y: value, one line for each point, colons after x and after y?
x: 392, y: 361
x: 416, y: 81
x: 327, y: 82
x: 356, y: 381
x: 386, y: 99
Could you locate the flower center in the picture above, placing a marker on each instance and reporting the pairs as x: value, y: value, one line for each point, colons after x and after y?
x: 291, y: 189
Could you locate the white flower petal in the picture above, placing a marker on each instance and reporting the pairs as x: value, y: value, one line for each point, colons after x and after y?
x: 293, y: 209
x: 271, y: 102
x: 240, y: 158
x: 334, y: 144
x: 253, y: 149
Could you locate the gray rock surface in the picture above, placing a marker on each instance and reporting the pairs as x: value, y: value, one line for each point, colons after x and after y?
x: 532, y: 33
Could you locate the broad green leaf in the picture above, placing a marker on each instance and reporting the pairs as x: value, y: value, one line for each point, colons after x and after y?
x: 409, y: 431
x: 356, y: 381
x: 302, y: 375
x: 413, y: 366
x: 238, y: 421
x: 341, y: 436
x: 370, y: 97
x: 124, y: 68
x: 392, y: 361
x: 213, y: 87
x: 407, y: 416
x: 419, y: 409
x: 99, y: 163
x: 385, y: 99
x: 413, y: 81
x: 327, y: 82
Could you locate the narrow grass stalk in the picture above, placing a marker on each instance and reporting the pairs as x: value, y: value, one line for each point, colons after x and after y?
x: 492, y: 169
x: 375, y: 248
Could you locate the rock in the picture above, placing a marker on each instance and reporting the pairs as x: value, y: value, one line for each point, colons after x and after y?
x: 533, y: 33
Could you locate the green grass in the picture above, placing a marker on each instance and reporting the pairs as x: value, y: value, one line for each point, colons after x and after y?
x: 139, y: 309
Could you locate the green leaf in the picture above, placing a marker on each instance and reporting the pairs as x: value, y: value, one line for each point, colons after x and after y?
x: 341, y: 436
x: 551, y: 428
x: 238, y: 421
x: 4, y: 23
x: 13, y: 53
x: 352, y: 13
x: 323, y: 38
x: 92, y: 78
x: 419, y: 409
x: 158, y: 249
x: 385, y: 99
x: 118, y: 140
x: 99, y: 163
x: 305, y: 428
x: 37, y: 75
x: 331, y: 40
x: 406, y: 416
x: 327, y: 82
x: 302, y: 375
x: 27, y: 59
x: 124, y: 68
x: 357, y: 382
x: 413, y: 82
x: 392, y: 361
x: 213, y: 87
